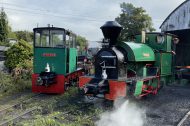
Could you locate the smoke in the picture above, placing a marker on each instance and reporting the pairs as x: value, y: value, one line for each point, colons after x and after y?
x: 124, y: 114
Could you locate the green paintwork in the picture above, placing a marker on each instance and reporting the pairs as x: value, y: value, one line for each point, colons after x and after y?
x: 163, y: 55
x: 154, y: 83
x: 144, y: 71
x: 137, y: 67
x: 138, y: 89
x: 164, y: 61
x: 137, y: 52
x: 57, y: 63
x: 72, y: 59
x: 169, y: 43
x: 151, y: 41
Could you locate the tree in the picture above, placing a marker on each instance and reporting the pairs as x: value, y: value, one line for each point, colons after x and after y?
x: 4, y: 28
x: 133, y: 20
x: 19, y: 53
x: 11, y: 34
x: 81, y: 42
x: 24, y: 35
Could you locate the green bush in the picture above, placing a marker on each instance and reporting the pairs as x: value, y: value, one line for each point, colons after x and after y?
x: 7, y: 44
x: 19, y: 53
x: 23, y: 70
x: 10, y: 84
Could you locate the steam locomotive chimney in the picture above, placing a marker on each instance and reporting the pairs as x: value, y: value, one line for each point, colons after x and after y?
x: 111, y: 31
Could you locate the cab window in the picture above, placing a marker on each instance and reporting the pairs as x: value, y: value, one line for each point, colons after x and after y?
x: 42, y: 38
x: 70, y: 40
x: 57, y: 38
x: 49, y: 38
x: 54, y: 38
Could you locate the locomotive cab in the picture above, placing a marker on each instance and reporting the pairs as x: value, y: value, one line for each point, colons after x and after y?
x: 55, y: 59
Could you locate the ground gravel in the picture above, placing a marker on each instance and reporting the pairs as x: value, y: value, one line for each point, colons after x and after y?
x: 168, y: 107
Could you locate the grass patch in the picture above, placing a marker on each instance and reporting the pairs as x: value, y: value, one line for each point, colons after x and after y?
x: 10, y: 85
x: 42, y: 121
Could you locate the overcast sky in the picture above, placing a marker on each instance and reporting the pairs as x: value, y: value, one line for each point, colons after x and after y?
x: 83, y: 17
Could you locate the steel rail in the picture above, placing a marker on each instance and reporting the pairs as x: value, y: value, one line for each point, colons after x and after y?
x: 18, y: 116
x: 18, y: 103
x: 183, y: 119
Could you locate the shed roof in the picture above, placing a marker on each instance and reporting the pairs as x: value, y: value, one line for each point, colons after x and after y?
x: 174, y: 11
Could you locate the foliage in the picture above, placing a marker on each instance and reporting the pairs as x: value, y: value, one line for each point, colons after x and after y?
x: 5, y: 82
x: 24, y: 35
x: 11, y: 34
x: 19, y: 53
x: 4, y: 28
x: 9, y: 84
x: 81, y: 42
x: 4, y: 44
x: 133, y: 20
x: 41, y: 121
x: 23, y: 70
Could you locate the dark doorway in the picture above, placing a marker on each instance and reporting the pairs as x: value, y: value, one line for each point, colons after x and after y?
x: 183, y: 47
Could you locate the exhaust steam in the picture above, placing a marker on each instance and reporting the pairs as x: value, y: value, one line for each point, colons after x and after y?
x: 124, y: 114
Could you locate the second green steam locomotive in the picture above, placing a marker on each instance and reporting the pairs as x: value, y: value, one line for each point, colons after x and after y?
x: 137, y: 68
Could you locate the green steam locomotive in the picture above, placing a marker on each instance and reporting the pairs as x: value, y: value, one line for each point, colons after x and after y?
x: 136, y: 68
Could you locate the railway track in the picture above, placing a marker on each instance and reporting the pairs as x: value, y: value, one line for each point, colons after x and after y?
x: 85, y: 110
x: 22, y: 109
x: 16, y: 110
x: 6, y: 122
x: 20, y: 102
x: 182, y: 121
x: 26, y: 109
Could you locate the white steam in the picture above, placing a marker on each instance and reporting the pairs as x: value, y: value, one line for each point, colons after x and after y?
x: 125, y: 114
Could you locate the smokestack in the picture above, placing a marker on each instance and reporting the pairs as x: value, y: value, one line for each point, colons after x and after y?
x: 111, y: 31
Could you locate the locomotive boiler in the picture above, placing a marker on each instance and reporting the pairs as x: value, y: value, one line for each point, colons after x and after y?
x: 136, y: 68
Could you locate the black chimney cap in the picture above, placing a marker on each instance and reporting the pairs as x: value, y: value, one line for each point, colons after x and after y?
x: 111, y: 31
x: 111, y: 24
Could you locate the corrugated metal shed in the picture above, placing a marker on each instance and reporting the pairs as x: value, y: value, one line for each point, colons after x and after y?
x: 178, y: 23
x: 178, y: 19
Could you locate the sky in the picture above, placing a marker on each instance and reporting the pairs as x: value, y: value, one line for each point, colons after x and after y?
x: 83, y: 17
